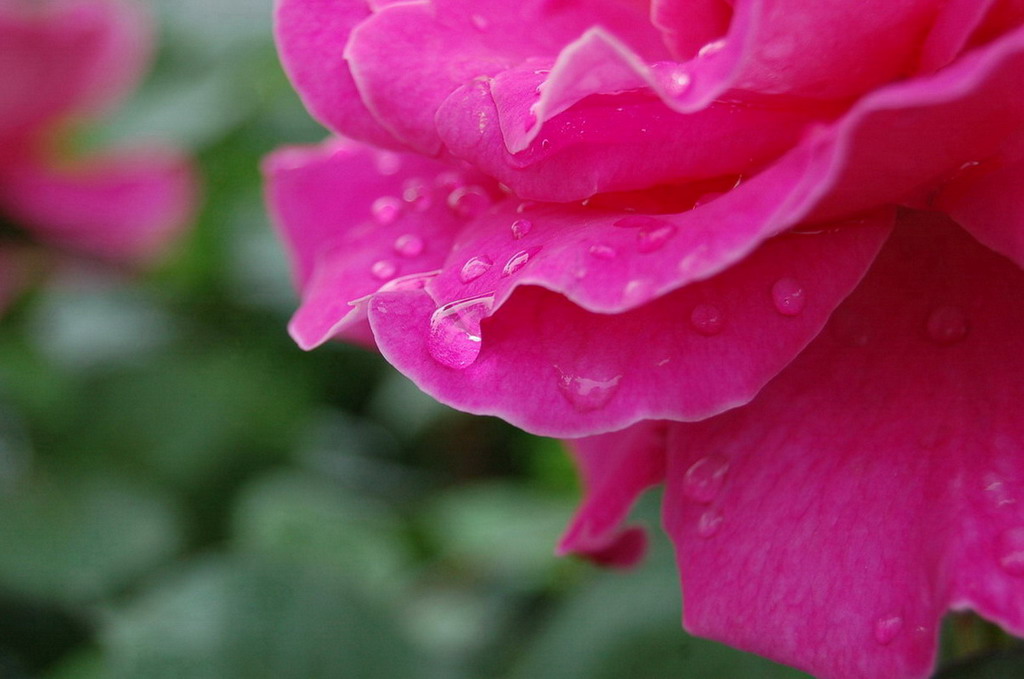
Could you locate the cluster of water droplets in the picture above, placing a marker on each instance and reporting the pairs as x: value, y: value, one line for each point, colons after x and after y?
x: 702, y: 485
x: 455, y: 337
x: 418, y: 195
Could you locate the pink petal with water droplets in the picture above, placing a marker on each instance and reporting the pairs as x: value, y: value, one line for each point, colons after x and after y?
x: 876, y: 482
x: 64, y: 57
x: 616, y: 469
x: 354, y: 219
x: 615, y: 143
x: 989, y: 204
x: 123, y: 205
x: 409, y: 57
x: 311, y: 39
x: 554, y: 368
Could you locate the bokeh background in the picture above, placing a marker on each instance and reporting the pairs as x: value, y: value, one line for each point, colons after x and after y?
x: 186, y: 495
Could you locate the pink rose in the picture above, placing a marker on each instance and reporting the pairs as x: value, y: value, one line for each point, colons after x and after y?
x: 764, y: 252
x: 60, y: 61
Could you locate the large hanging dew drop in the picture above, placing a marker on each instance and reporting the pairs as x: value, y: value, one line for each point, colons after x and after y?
x: 455, y: 339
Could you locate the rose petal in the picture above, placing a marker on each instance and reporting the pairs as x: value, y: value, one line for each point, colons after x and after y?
x: 125, y: 205
x: 876, y: 482
x: 615, y: 143
x: 957, y: 20
x: 616, y: 468
x: 553, y: 368
x: 354, y: 219
x: 407, y: 58
x: 989, y: 204
x: 68, y: 56
x: 311, y: 38
x: 688, y: 26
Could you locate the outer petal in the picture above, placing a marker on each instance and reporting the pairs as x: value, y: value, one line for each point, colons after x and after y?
x: 616, y: 468
x: 409, y: 57
x: 127, y: 205
x: 551, y: 367
x: 876, y: 482
x: 68, y: 56
x: 354, y: 219
x: 614, y: 143
x: 990, y: 204
x: 311, y: 39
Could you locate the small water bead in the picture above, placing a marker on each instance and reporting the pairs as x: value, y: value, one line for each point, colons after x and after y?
x: 449, y: 180
x: 587, y: 394
x: 521, y: 228
x: 948, y: 325
x: 409, y: 245
x: 386, y: 210
x: 789, y: 297
x: 602, y: 251
x: 1010, y: 546
x: 707, y: 319
x: 704, y: 479
x: 638, y: 291
x: 469, y: 201
x: 709, y: 523
x: 454, y: 339
x: 474, y: 268
x: 383, y: 269
x: 416, y: 192
x: 480, y: 22
x: 524, y: 206
x: 888, y: 628
x: 413, y: 281
x: 388, y: 163
x: 676, y: 82
x: 711, y: 48
x: 653, y: 236
x: 517, y: 261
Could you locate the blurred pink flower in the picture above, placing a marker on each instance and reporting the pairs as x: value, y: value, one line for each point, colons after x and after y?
x: 62, y: 61
x: 765, y: 252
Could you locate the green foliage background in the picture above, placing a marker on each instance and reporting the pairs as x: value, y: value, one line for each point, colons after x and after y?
x: 186, y: 495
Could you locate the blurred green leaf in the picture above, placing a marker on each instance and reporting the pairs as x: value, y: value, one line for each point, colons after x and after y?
x: 240, y: 618
x: 501, y: 530
x: 1003, y: 664
x: 309, y: 522
x: 79, y: 540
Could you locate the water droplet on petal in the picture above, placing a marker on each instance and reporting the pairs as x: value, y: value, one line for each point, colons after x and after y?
x: 413, y: 281
x: 524, y: 206
x: 383, y: 269
x: 469, y: 201
x: 707, y: 319
x: 455, y: 339
x: 386, y: 210
x: 416, y: 192
x: 602, y: 251
x: 480, y: 23
x: 388, y: 163
x: 517, y: 261
x: 474, y: 268
x: 409, y: 245
x: 789, y: 297
x: 888, y: 628
x: 709, y: 523
x: 587, y: 394
x: 948, y: 325
x: 638, y: 291
x: 997, y: 494
x: 676, y: 81
x: 1011, y: 551
x: 521, y: 228
x: 653, y: 236
x: 711, y: 48
x: 704, y: 479
x: 449, y: 180
x: 545, y: 144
